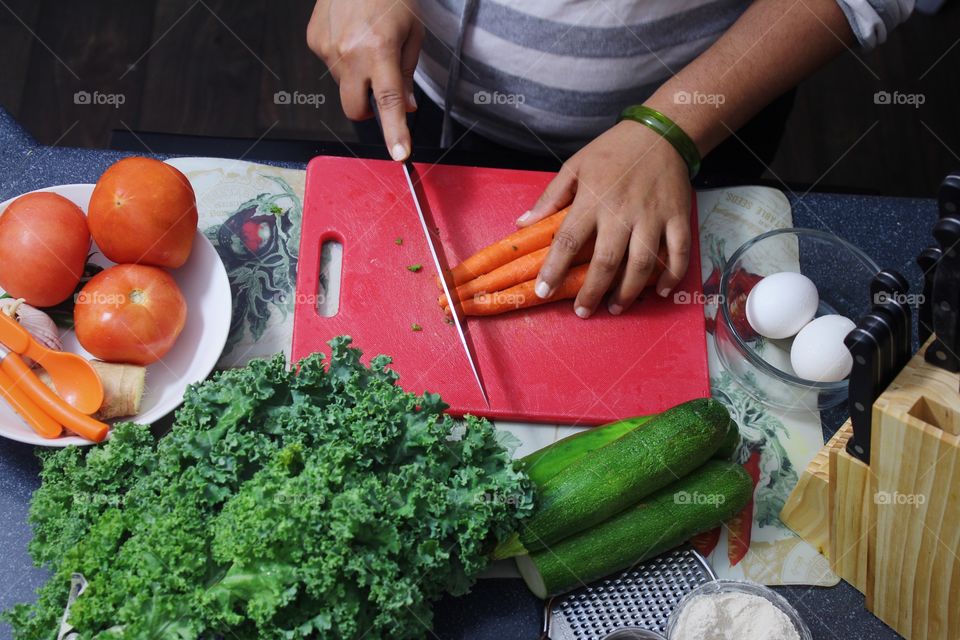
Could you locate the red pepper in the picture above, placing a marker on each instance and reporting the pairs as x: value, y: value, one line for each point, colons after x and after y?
x: 741, y: 525
x: 706, y: 542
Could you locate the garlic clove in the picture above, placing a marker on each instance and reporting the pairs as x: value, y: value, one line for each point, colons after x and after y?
x: 37, y: 323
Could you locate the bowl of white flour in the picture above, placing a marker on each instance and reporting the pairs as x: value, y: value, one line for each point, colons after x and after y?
x: 734, y: 610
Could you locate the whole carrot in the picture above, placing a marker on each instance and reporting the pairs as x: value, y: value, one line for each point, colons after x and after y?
x: 519, y: 243
x: 520, y: 270
x: 522, y: 296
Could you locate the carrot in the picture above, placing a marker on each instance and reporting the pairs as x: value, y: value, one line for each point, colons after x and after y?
x: 522, y: 296
x: 520, y: 270
x: 519, y: 243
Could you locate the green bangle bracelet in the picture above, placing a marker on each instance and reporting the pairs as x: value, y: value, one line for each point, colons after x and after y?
x: 669, y: 130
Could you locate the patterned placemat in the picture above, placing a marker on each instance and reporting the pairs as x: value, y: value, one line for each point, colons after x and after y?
x: 252, y: 215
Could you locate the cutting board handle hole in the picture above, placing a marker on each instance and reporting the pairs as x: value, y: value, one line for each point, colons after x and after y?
x: 327, y: 298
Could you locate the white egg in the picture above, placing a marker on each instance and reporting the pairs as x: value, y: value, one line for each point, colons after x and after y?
x: 781, y: 304
x: 818, y: 352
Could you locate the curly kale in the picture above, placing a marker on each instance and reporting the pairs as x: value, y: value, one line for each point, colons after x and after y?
x: 325, y: 502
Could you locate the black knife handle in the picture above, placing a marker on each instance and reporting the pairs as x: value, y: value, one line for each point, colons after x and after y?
x: 927, y: 261
x: 946, y: 296
x: 865, y: 350
x: 948, y: 198
x: 888, y: 284
x: 896, y: 349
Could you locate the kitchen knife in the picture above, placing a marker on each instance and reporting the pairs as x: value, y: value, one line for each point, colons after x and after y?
x: 948, y: 198
x: 440, y: 264
x: 864, y: 343
x: 927, y: 261
x: 946, y: 297
x: 889, y: 290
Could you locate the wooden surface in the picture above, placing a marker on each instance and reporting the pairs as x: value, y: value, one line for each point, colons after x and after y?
x: 213, y: 68
x: 807, y: 509
x: 915, y: 461
x: 895, y: 524
x: 851, y: 512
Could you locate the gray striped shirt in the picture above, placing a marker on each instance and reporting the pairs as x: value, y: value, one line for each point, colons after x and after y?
x: 539, y: 74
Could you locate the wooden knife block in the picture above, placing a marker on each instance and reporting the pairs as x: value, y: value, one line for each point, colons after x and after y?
x: 892, y: 529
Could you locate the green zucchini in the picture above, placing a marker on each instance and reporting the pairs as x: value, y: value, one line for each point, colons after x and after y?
x: 543, y: 464
x: 730, y: 444
x: 618, y: 475
x: 696, y: 503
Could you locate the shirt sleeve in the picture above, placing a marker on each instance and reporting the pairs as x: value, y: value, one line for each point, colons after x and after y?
x: 872, y: 20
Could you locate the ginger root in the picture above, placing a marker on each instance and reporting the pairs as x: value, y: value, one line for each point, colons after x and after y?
x: 123, y: 386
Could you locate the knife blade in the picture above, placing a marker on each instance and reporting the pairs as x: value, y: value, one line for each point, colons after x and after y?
x: 927, y: 261
x: 946, y: 297
x: 440, y: 264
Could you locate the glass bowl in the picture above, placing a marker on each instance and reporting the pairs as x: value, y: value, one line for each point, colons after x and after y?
x: 761, y: 366
x: 737, y: 586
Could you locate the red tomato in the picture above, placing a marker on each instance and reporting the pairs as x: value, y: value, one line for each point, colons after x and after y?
x: 144, y: 211
x: 43, y: 248
x: 130, y: 313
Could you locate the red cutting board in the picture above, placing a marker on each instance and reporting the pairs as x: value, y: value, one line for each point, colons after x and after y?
x: 541, y: 365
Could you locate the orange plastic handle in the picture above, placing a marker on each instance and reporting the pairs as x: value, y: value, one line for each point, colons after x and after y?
x: 13, y: 336
x: 57, y: 408
x: 39, y: 421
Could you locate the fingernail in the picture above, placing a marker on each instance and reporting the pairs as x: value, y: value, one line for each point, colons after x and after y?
x: 412, y: 100
x: 542, y: 289
x: 664, y: 292
x: 582, y: 312
x: 615, y: 309
x: 398, y: 152
x: 523, y: 219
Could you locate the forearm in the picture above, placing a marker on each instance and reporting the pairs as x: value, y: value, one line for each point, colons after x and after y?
x: 774, y: 45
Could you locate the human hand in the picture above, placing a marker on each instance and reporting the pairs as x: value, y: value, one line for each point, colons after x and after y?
x: 631, y: 188
x: 371, y: 44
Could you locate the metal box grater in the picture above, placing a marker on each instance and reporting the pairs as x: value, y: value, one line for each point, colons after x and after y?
x: 643, y: 596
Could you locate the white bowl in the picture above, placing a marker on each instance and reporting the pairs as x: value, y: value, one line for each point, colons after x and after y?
x: 206, y: 288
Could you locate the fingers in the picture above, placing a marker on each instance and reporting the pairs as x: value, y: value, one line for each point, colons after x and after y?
x: 575, y: 231
x: 640, y: 263
x: 355, y: 97
x: 409, y: 56
x: 678, y: 251
x: 389, y: 93
x: 612, y: 239
x: 557, y: 195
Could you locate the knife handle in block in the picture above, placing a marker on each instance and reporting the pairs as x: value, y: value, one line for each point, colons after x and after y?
x: 948, y: 198
x: 55, y: 406
x: 862, y: 391
x: 946, y: 297
x: 927, y: 261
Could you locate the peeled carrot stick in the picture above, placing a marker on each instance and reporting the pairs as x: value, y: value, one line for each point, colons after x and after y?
x: 519, y: 243
x: 520, y: 270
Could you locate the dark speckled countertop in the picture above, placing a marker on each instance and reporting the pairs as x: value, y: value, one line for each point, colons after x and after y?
x: 891, y: 230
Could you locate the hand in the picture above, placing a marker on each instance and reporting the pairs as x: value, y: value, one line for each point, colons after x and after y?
x: 631, y: 188
x: 371, y: 44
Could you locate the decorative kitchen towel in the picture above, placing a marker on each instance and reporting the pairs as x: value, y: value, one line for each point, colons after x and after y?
x: 252, y: 214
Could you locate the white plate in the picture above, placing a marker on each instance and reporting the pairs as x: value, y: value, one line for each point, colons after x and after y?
x: 203, y: 281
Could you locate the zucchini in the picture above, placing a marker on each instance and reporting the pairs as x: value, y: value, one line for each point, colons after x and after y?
x: 610, y: 479
x: 543, y: 464
x: 694, y: 504
x: 728, y: 448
